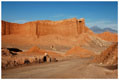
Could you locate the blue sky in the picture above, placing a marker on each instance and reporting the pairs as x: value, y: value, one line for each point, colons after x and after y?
x: 101, y: 14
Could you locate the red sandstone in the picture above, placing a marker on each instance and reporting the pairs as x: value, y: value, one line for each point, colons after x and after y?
x: 68, y: 27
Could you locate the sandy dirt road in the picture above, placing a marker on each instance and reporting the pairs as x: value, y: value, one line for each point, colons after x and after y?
x: 70, y: 69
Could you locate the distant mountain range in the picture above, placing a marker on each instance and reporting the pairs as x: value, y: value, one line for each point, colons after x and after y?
x: 96, y: 29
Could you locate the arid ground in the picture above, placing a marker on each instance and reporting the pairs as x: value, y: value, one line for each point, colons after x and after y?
x: 74, y: 68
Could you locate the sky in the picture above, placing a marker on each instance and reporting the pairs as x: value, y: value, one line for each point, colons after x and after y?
x: 101, y: 14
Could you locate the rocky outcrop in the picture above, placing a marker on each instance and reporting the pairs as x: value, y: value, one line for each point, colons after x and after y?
x: 108, y: 56
x: 6, y: 52
x: 108, y: 36
x: 33, y: 55
x: 68, y: 27
x: 91, y: 40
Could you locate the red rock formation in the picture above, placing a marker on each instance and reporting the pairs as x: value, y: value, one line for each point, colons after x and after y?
x: 68, y: 27
x: 34, y: 54
x: 108, y: 36
x: 108, y: 56
x: 37, y: 51
x: 18, y: 29
x: 90, y: 39
x: 78, y: 51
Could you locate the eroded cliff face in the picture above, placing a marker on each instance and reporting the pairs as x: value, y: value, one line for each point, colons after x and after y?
x: 68, y: 27
x: 109, y: 55
x: 18, y: 29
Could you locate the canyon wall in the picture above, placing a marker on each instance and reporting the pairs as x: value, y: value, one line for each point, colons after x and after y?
x: 67, y: 27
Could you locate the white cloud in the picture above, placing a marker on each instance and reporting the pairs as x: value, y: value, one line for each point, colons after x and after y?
x: 20, y: 21
x: 103, y: 24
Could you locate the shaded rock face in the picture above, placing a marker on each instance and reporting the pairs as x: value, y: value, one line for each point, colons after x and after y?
x: 68, y: 27
x: 6, y: 52
x: 14, y: 49
x: 108, y: 56
x: 47, y: 59
x: 10, y: 51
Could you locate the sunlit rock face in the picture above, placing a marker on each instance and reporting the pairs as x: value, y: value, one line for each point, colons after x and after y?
x: 108, y: 36
x: 67, y: 27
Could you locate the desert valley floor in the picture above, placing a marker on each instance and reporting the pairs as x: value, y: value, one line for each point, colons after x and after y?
x: 69, y: 69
